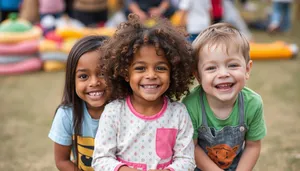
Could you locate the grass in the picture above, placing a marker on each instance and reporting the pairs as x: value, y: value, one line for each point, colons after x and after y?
x: 28, y: 103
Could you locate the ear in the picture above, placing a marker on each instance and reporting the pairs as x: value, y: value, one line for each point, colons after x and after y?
x: 248, y: 69
x: 197, y: 76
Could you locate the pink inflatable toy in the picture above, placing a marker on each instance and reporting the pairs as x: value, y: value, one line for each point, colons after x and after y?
x: 22, y: 48
x: 29, y: 65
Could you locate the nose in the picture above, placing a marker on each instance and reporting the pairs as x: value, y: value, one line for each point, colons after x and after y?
x: 223, y: 72
x: 151, y: 74
x: 95, y: 81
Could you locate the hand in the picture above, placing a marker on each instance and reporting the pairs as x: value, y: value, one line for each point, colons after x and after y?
x: 126, y: 168
x: 155, y: 12
x: 143, y: 16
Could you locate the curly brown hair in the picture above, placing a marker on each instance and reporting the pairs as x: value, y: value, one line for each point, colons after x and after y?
x: 129, y: 37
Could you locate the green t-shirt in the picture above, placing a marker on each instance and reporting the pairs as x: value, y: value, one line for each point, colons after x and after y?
x: 254, y: 118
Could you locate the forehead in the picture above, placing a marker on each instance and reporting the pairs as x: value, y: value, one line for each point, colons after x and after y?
x: 148, y: 54
x: 220, y: 50
x: 89, y: 60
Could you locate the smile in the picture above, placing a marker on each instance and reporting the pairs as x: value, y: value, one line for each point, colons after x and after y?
x: 224, y: 86
x: 150, y: 86
x: 96, y: 94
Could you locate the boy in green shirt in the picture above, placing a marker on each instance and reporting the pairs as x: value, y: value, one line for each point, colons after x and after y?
x: 227, y: 116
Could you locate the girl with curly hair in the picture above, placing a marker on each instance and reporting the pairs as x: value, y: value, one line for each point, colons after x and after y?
x: 144, y: 128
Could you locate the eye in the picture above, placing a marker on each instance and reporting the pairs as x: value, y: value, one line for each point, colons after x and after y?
x: 233, y: 65
x: 83, y: 76
x: 101, y: 75
x: 161, y: 68
x: 210, y: 68
x: 139, y: 68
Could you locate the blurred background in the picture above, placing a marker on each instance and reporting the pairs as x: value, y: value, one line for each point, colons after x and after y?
x: 36, y: 36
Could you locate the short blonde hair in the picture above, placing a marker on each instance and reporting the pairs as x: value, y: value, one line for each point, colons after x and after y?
x: 221, y: 33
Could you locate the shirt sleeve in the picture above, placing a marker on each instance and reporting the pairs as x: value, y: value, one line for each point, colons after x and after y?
x: 257, y: 127
x: 183, y: 158
x: 61, y: 129
x: 104, y: 156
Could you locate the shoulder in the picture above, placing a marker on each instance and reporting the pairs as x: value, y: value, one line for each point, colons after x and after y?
x: 64, y: 112
x: 251, y: 98
x: 193, y: 97
x: 114, y: 107
x: 115, y: 104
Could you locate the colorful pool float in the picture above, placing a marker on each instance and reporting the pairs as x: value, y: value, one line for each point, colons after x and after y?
x: 29, y: 65
x: 53, y: 46
x: 275, y: 50
x: 15, y: 30
x: 21, y: 48
x: 51, y: 66
x: 81, y: 32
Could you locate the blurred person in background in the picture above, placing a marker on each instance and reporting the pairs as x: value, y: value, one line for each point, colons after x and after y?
x: 197, y: 15
x: 145, y: 9
x: 54, y: 8
x: 281, y: 15
x: 91, y: 13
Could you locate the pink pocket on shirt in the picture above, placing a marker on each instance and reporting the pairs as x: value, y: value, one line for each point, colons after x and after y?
x: 165, y: 141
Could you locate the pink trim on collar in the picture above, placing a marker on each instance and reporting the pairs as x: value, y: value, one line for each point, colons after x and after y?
x: 153, y: 117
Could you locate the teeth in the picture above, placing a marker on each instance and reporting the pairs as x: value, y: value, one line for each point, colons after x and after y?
x: 96, y: 93
x: 224, y: 85
x: 150, y: 86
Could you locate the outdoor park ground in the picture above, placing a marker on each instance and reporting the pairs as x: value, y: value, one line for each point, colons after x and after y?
x: 28, y: 103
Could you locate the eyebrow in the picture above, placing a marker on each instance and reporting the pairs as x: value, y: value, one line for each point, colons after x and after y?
x: 81, y: 70
x: 141, y: 62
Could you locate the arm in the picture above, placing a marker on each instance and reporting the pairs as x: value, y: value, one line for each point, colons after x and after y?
x: 62, y: 158
x: 61, y: 134
x: 183, y: 156
x: 249, y: 156
x: 202, y: 160
x: 134, y: 8
x: 160, y: 10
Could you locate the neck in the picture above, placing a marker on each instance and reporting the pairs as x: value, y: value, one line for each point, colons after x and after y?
x: 147, y: 108
x: 95, y: 112
x: 221, y: 109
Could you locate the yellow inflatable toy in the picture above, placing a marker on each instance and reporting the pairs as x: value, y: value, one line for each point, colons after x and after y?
x: 51, y: 66
x: 52, y: 46
x: 275, y: 50
x: 15, y: 30
x: 79, y: 33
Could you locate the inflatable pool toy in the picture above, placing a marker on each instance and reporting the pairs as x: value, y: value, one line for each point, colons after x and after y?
x: 54, y: 56
x: 21, y: 48
x: 51, y: 66
x: 51, y: 35
x: 29, y: 65
x: 52, y: 46
x: 275, y: 50
x: 15, y: 30
x: 81, y: 32
x: 12, y: 59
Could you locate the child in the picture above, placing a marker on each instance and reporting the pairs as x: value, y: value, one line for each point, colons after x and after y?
x: 281, y: 16
x: 227, y: 116
x: 54, y: 8
x: 198, y: 16
x: 76, y: 119
x: 143, y: 129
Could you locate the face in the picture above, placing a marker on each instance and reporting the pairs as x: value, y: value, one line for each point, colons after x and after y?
x: 222, y: 74
x: 148, y: 75
x: 89, y: 82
